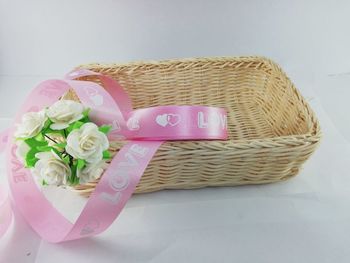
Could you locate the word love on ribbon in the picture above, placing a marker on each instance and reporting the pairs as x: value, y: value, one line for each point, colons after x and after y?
x: 145, y: 129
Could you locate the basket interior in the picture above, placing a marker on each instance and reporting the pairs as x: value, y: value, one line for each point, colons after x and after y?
x: 260, y: 100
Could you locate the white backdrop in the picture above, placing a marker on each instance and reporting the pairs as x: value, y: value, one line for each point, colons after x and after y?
x: 305, y: 219
x: 41, y: 37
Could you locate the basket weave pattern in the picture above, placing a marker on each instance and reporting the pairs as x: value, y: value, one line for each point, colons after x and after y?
x: 272, y: 130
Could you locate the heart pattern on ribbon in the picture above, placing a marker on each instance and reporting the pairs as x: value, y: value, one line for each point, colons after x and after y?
x: 168, y: 119
x: 90, y: 227
x: 94, y: 96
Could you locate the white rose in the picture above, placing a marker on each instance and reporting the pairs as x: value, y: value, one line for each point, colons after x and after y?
x: 91, y: 172
x: 51, y: 169
x: 87, y: 143
x: 22, y: 150
x: 32, y: 123
x: 64, y: 112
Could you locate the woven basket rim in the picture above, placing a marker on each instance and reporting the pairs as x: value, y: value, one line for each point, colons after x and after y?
x: 166, y: 62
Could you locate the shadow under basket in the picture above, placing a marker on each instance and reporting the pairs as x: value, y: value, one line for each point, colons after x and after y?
x: 272, y: 130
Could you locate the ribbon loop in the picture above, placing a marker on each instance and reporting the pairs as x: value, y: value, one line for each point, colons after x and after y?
x: 145, y: 128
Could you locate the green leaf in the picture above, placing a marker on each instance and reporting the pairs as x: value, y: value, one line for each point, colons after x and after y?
x: 44, y: 148
x: 86, y: 118
x: 106, y: 154
x: 31, y: 162
x: 30, y: 159
x: 105, y: 128
x: 73, y: 179
x: 70, y: 128
x: 47, y: 124
x: 61, y: 145
x: 39, y: 137
x: 43, y: 182
x: 74, y: 125
x: 77, y: 125
x: 66, y: 159
x: 36, y: 145
x: 80, y: 164
x: 74, y: 168
x: 86, y: 112
x: 32, y: 142
x: 31, y: 153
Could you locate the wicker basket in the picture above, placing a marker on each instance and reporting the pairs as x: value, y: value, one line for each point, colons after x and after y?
x: 272, y: 130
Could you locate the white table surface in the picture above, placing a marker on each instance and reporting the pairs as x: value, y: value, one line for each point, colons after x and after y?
x: 304, y: 219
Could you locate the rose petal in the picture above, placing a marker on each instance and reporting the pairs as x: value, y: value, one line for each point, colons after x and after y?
x: 58, y: 126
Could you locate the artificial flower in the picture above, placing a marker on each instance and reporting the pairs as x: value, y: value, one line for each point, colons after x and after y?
x: 87, y: 143
x: 64, y: 112
x: 91, y: 172
x: 32, y: 123
x: 51, y: 169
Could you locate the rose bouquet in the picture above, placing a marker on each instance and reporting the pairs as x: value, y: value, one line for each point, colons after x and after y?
x: 61, y: 146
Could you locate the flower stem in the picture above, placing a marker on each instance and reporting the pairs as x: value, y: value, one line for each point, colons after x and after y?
x: 50, y: 138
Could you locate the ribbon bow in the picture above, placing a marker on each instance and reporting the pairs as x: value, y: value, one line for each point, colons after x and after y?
x: 144, y: 129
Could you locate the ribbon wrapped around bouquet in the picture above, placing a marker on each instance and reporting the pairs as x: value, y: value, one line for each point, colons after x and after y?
x: 144, y: 129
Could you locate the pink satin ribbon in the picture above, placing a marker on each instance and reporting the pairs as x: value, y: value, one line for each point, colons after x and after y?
x: 146, y: 129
